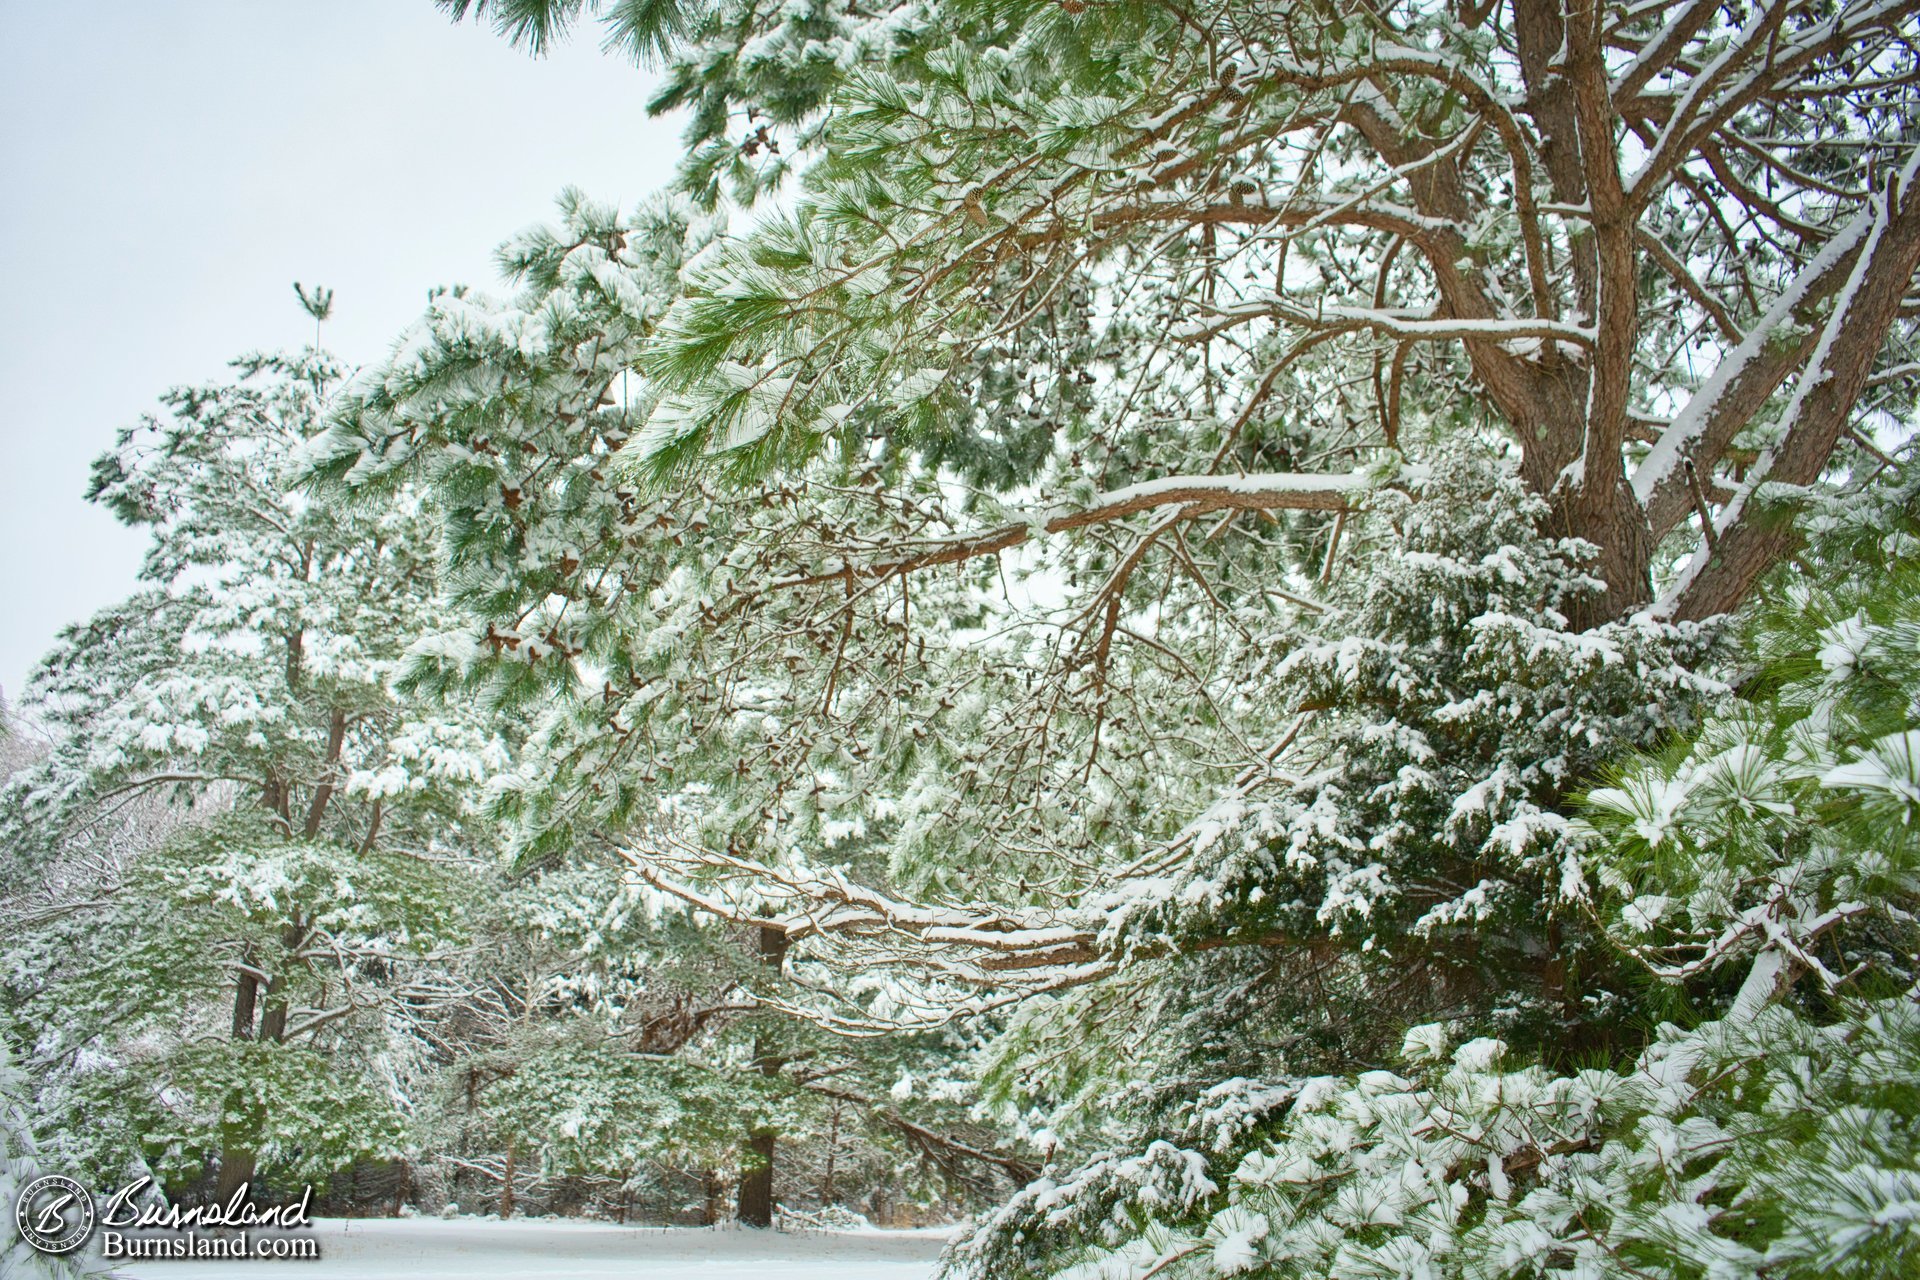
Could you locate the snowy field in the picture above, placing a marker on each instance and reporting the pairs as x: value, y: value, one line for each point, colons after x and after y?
x: 428, y: 1248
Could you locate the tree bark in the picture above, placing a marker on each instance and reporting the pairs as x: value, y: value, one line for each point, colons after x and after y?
x: 236, y: 1151
x: 1608, y: 516
x: 336, y: 739
x: 833, y: 1155
x: 273, y: 1023
x: 236, y: 1168
x: 756, y: 1182
x: 245, y: 995
x: 1754, y: 539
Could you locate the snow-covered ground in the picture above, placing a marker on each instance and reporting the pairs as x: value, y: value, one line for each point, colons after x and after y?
x: 474, y: 1249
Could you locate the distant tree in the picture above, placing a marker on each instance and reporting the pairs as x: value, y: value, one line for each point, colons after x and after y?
x: 200, y: 1000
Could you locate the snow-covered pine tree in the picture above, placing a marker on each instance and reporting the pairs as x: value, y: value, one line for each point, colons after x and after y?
x: 1095, y: 296
x: 242, y: 993
x: 1178, y: 504
x: 1764, y: 872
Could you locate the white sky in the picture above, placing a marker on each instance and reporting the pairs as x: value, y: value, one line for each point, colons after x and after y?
x: 169, y: 167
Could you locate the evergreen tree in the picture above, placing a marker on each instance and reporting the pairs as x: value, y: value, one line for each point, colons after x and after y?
x: 1761, y: 871
x: 19, y: 1166
x: 196, y: 1003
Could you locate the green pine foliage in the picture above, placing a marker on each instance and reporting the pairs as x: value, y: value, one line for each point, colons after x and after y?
x: 1280, y: 630
x: 1132, y: 562
x: 1762, y: 871
x: 191, y: 996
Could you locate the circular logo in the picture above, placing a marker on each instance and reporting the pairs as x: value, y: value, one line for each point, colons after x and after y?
x: 54, y: 1214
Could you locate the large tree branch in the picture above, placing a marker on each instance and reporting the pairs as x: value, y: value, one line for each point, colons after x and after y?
x: 1744, y: 380
x: 1698, y: 114
x: 1748, y: 539
x: 1658, y: 54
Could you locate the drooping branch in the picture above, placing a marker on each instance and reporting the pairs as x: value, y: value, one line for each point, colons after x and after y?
x: 939, y: 1144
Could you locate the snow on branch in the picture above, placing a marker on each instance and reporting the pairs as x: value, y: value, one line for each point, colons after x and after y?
x: 1193, y: 495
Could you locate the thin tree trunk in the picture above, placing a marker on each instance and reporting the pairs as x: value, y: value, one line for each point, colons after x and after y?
x: 236, y: 1153
x: 244, y: 996
x: 833, y: 1153
x: 336, y: 739
x: 506, y: 1186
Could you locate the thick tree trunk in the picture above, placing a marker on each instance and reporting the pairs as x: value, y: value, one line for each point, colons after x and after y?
x: 1613, y: 521
x: 273, y: 1023
x: 756, y: 1183
x: 236, y: 1168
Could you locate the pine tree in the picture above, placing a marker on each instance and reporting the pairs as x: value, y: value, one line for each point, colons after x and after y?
x: 1761, y: 871
x: 196, y: 1002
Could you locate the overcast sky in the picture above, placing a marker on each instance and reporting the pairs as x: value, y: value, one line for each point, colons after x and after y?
x: 169, y: 167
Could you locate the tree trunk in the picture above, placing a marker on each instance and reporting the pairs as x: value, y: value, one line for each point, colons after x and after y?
x: 236, y: 1150
x: 506, y: 1187
x: 756, y: 1183
x: 833, y: 1155
x: 236, y: 1168
x: 246, y: 992
x: 273, y: 1023
x: 1608, y: 516
x: 710, y: 1183
x: 336, y: 739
